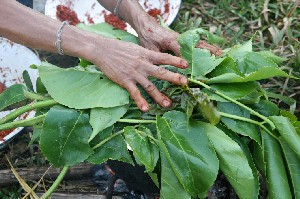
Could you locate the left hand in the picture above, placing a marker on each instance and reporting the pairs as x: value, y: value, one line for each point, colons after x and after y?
x: 155, y: 37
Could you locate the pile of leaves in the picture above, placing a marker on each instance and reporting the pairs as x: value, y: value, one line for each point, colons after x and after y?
x: 222, y: 121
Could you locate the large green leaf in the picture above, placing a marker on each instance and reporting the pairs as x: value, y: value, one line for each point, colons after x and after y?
x: 238, y: 52
x: 141, y: 147
x: 228, y: 65
x: 101, y: 118
x: 81, y: 89
x: 262, y: 73
x: 254, y: 61
x: 204, y: 62
x: 233, y: 90
x: 188, y: 151
x: 293, y: 163
x: 270, y: 55
x: 170, y: 186
x: 266, y: 108
x: 278, y: 186
x: 64, y: 137
x: 238, y: 126
x: 288, y: 132
x: 109, y: 31
x: 13, y: 95
x: 111, y: 149
x: 233, y: 163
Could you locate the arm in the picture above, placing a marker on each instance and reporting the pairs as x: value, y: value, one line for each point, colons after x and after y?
x: 124, y: 63
x: 151, y: 35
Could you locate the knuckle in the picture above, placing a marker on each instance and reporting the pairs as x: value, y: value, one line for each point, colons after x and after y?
x: 150, y: 88
x: 161, y: 71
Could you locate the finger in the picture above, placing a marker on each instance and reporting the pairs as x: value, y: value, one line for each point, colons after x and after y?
x: 174, y: 47
x: 213, y: 49
x: 164, y: 74
x: 167, y: 59
x: 151, y: 89
x: 137, y: 96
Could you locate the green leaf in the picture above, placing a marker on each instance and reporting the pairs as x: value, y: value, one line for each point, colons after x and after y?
x: 265, y: 108
x: 141, y: 147
x: 228, y: 65
x: 112, y: 149
x: 40, y: 88
x: 27, y: 80
x: 204, y: 62
x: 101, y: 118
x: 170, y: 186
x: 238, y: 126
x: 262, y: 73
x: 64, y: 137
x: 254, y: 61
x: 214, y: 39
x: 278, y: 186
x: 293, y: 163
x: 36, y: 134
x: 258, y: 157
x: 270, y: 55
x: 234, y: 90
x: 238, y: 52
x: 188, y: 151
x: 81, y: 89
x: 12, y: 96
x: 188, y: 41
x: 288, y: 100
x: 233, y: 163
x: 288, y: 132
x: 109, y: 31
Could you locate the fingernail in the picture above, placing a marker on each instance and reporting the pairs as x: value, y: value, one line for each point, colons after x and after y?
x: 183, y: 80
x: 166, y: 103
x: 144, y: 108
x: 183, y: 63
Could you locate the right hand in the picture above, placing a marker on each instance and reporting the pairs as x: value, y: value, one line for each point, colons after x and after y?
x: 128, y: 64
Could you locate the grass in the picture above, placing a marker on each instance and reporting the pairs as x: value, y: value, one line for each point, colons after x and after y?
x: 274, y: 25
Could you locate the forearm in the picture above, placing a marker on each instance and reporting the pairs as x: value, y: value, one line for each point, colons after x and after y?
x: 28, y: 27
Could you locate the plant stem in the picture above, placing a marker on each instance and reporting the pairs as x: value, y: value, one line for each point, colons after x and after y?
x: 13, y: 115
x: 22, y: 123
x: 248, y: 120
x: 234, y: 101
x: 56, y: 183
x: 35, y: 96
x: 134, y: 121
x: 107, y: 139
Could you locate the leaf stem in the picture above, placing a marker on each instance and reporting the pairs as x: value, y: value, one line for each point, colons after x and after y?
x: 22, y: 123
x: 56, y: 182
x: 13, y: 115
x: 134, y: 121
x: 260, y: 124
x: 35, y: 96
x: 107, y: 139
x: 234, y: 101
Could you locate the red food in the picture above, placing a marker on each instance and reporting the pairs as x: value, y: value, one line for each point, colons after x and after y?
x: 5, y: 133
x: 64, y: 13
x: 115, y: 21
x: 167, y: 8
x: 2, y: 87
x: 154, y: 12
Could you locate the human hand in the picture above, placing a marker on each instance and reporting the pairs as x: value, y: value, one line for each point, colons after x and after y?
x: 128, y: 64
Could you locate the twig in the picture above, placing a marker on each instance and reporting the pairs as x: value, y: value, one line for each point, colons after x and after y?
x: 23, y: 123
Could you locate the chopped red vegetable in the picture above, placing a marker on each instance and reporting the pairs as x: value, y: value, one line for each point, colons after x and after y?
x: 64, y: 13
x: 115, y: 21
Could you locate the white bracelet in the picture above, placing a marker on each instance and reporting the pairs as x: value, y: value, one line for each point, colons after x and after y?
x: 116, y: 10
x: 58, y: 38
